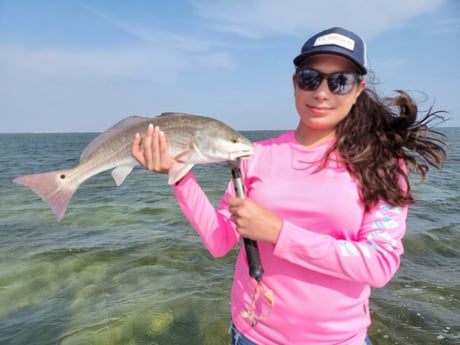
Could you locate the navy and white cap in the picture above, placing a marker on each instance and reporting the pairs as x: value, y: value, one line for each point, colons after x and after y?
x: 336, y: 41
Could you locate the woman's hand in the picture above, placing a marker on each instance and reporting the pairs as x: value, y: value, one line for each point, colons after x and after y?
x: 253, y: 221
x: 152, y: 151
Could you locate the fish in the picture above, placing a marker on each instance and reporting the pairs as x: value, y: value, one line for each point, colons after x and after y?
x: 193, y: 139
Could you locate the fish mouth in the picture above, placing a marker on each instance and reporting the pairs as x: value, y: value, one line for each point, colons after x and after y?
x: 246, y: 154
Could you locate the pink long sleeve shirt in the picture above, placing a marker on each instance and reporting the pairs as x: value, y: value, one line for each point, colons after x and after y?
x: 329, y: 253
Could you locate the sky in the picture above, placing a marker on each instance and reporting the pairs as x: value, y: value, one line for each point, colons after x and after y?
x: 73, y: 66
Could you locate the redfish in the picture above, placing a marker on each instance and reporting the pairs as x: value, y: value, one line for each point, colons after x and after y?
x: 192, y: 139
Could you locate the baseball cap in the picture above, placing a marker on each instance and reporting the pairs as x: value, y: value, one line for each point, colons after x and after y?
x: 336, y: 41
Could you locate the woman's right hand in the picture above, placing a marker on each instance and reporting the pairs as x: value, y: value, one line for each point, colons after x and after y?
x: 152, y: 151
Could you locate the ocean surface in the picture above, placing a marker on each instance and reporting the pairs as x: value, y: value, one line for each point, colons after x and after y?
x: 125, y: 267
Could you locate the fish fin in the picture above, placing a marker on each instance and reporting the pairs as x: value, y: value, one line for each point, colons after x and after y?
x: 178, y: 171
x: 120, y: 173
x: 114, y: 130
x: 193, y: 154
x: 184, y: 155
x: 199, y: 138
x: 53, y: 187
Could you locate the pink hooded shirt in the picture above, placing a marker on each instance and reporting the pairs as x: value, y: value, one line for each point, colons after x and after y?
x: 329, y: 253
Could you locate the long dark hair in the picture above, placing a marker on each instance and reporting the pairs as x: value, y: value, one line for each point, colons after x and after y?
x: 378, y: 135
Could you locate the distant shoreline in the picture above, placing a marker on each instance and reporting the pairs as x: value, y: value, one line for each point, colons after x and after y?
x: 95, y: 132
x: 240, y: 130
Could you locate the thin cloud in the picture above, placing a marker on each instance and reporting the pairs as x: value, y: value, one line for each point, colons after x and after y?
x: 161, y: 63
x: 143, y: 68
x: 151, y: 55
x: 261, y: 18
x: 182, y: 44
x: 446, y: 26
x: 155, y: 38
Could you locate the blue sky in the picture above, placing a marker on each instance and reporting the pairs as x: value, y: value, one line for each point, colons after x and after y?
x: 83, y: 65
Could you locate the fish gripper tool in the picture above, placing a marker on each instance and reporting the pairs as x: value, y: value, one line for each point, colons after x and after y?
x: 252, y: 251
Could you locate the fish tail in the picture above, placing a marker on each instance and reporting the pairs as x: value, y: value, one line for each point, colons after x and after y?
x: 56, y: 188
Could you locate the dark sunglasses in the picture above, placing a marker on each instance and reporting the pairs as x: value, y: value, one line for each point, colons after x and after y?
x: 339, y: 83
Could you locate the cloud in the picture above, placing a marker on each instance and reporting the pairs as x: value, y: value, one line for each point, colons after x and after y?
x: 448, y: 26
x: 156, y: 55
x: 63, y: 84
x: 260, y: 18
x: 150, y: 55
x: 156, y: 38
x: 142, y: 68
x: 138, y: 63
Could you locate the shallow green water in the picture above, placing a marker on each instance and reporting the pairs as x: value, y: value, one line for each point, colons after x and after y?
x: 125, y: 267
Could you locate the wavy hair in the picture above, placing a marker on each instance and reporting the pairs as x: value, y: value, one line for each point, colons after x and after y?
x: 380, y: 134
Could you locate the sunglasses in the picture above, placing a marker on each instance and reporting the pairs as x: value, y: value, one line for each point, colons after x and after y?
x: 339, y: 83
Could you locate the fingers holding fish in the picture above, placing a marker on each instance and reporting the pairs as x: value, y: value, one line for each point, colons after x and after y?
x: 162, y: 160
x: 152, y: 150
x: 137, y: 151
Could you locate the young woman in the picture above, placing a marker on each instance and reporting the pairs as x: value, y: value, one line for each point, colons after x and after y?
x: 326, y: 202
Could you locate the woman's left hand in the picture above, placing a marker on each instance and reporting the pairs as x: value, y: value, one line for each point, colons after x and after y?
x: 253, y: 221
x: 152, y: 151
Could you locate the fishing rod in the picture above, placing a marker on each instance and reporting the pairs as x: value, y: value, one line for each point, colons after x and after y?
x: 252, y: 251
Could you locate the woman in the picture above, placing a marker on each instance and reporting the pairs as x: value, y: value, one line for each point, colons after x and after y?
x: 326, y: 203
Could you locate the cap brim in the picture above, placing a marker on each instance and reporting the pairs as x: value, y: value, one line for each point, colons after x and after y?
x: 299, y: 59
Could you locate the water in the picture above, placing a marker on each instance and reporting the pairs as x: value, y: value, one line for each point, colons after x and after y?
x: 125, y: 267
